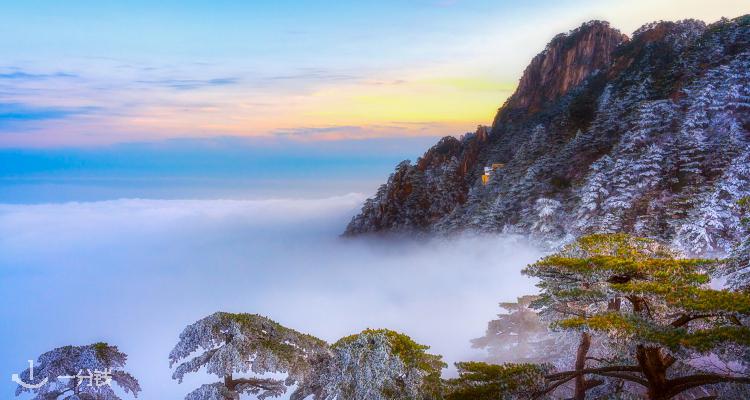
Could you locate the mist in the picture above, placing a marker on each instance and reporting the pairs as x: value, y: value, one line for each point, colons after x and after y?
x: 135, y: 272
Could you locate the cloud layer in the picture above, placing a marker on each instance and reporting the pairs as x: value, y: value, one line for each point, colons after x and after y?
x: 135, y: 272
x: 16, y: 116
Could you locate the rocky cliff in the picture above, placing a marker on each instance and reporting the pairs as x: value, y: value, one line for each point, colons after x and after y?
x: 648, y: 135
x: 566, y: 62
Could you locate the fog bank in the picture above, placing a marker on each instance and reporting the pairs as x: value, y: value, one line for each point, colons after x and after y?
x: 135, y: 272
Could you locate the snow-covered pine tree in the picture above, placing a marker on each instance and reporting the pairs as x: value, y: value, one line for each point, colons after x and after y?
x: 80, y: 373
x: 639, y: 163
x: 592, y: 195
x: 232, y: 345
x: 693, y: 135
x: 375, y: 365
x: 519, y: 336
x: 714, y: 224
x: 739, y: 265
x: 548, y: 224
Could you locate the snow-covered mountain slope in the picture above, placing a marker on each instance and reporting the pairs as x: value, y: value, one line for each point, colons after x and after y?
x: 648, y: 135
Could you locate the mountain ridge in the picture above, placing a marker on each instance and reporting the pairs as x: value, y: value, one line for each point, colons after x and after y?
x: 648, y: 135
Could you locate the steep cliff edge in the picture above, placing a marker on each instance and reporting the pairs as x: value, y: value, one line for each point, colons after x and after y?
x: 567, y: 61
x: 649, y: 136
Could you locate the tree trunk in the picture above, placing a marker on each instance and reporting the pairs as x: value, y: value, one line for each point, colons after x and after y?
x: 583, y: 351
x: 654, y: 367
x: 230, y: 384
x: 614, y: 304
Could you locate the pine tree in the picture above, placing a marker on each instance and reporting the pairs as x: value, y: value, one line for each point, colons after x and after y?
x: 547, y: 225
x: 693, y: 134
x: 375, y: 365
x: 714, y: 224
x: 481, y: 381
x: 593, y: 194
x: 637, y: 166
x: 80, y: 373
x: 739, y: 265
x: 655, y: 310
x: 240, y: 344
x: 519, y: 336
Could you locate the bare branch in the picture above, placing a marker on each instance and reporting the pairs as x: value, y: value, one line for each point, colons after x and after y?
x: 684, y: 383
x: 614, y: 368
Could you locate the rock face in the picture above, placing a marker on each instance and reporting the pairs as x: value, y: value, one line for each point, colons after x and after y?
x: 418, y: 195
x: 649, y: 136
x: 566, y: 62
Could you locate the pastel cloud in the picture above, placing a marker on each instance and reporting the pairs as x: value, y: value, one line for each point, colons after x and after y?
x: 330, y: 72
x: 191, y: 84
x: 16, y: 74
x: 19, y: 116
x: 306, y: 104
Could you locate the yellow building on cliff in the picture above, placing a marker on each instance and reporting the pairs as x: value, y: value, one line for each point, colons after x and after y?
x: 488, y: 171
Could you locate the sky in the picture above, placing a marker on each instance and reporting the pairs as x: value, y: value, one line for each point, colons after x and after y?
x: 94, y: 88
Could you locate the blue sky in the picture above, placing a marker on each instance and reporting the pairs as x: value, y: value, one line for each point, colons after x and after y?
x: 92, y: 80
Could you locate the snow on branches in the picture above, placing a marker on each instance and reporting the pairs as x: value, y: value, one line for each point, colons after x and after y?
x: 228, y: 344
x: 81, y: 373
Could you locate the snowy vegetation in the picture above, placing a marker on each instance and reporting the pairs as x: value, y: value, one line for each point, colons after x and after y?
x: 376, y: 365
x: 242, y: 348
x: 230, y: 344
x: 80, y: 373
x: 739, y: 266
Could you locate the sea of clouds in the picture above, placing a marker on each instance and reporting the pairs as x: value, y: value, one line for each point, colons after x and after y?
x: 135, y: 272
